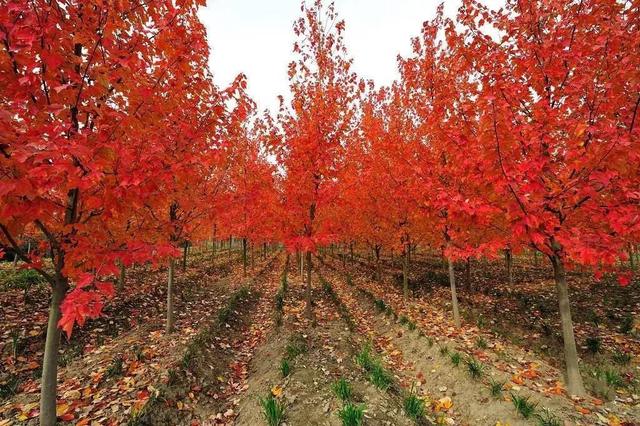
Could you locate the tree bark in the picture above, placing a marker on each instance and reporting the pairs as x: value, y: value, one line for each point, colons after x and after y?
x: 170, y: 318
x: 121, y: 277
x: 50, y: 361
x: 378, y: 268
x: 467, y: 272
x: 572, y: 370
x: 244, y: 256
x: 509, y: 259
x: 184, y: 256
x: 405, y: 275
x: 308, y: 309
x: 253, y: 264
x: 454, y: 295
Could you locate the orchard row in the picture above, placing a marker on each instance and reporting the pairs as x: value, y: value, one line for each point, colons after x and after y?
x: 506, y: 130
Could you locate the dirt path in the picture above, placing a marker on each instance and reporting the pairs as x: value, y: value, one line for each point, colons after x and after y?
x: 472, y: 400
x: 114, y: 381
x: 326, y: 355
x: 213, y: 366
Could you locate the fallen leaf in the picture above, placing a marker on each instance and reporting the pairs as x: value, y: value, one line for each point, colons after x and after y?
x: 276, y: 391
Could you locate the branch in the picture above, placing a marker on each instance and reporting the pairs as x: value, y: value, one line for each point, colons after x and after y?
x: 23, y: 256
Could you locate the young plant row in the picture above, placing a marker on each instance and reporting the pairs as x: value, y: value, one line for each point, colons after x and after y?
x: 476, y: 369
x: 414, y: 406
x: 195, y: 351
x: 281, y: 294
x: 340, y: 306
x: 273, y: 410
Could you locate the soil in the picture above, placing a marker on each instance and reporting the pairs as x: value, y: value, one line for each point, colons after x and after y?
x: 226, y: 354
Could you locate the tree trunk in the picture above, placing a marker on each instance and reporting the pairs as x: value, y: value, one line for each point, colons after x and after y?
x: 467, y: 272
x: 405, y: 275
x: 378, y: 268
x: 15, y: 260
x: 454, y: 295
x: 509, y: 259
x: 184, y: 256
x: 253, y: 264
x: 50, y: 361
x: 121, y: 277
x: 632, y: 262
x: 572, y: 370
x: 244, y: 256
x: 170, y: 318
x: 308, y: 309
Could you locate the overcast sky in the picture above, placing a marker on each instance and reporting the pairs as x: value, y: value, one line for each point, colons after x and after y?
x: 256, y: 37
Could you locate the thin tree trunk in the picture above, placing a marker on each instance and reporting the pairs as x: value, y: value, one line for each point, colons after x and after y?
x: 632, y: 262
x: 468, y: 272
x: 49, y: 382
x: 170, y: 318
x: 184, y: 256
x: 309, y: 310
x: 50, y: 361
x: 509, y: 260
x: 15, y: 260
x: 572, y: 369
x: 454, y: 295
x: 405, y: 275
x: 378, y: 268
x: 121, y: 277
x: 245, y: 260
x: 253, y: 264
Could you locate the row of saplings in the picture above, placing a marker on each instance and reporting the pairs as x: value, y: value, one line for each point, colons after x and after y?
x: 351, y: 413
x: 523, y: 405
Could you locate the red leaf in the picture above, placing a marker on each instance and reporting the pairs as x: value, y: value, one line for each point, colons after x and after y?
x: 624, y: 279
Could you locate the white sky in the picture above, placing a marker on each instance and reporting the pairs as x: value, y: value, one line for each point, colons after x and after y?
x: 256, y: 37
